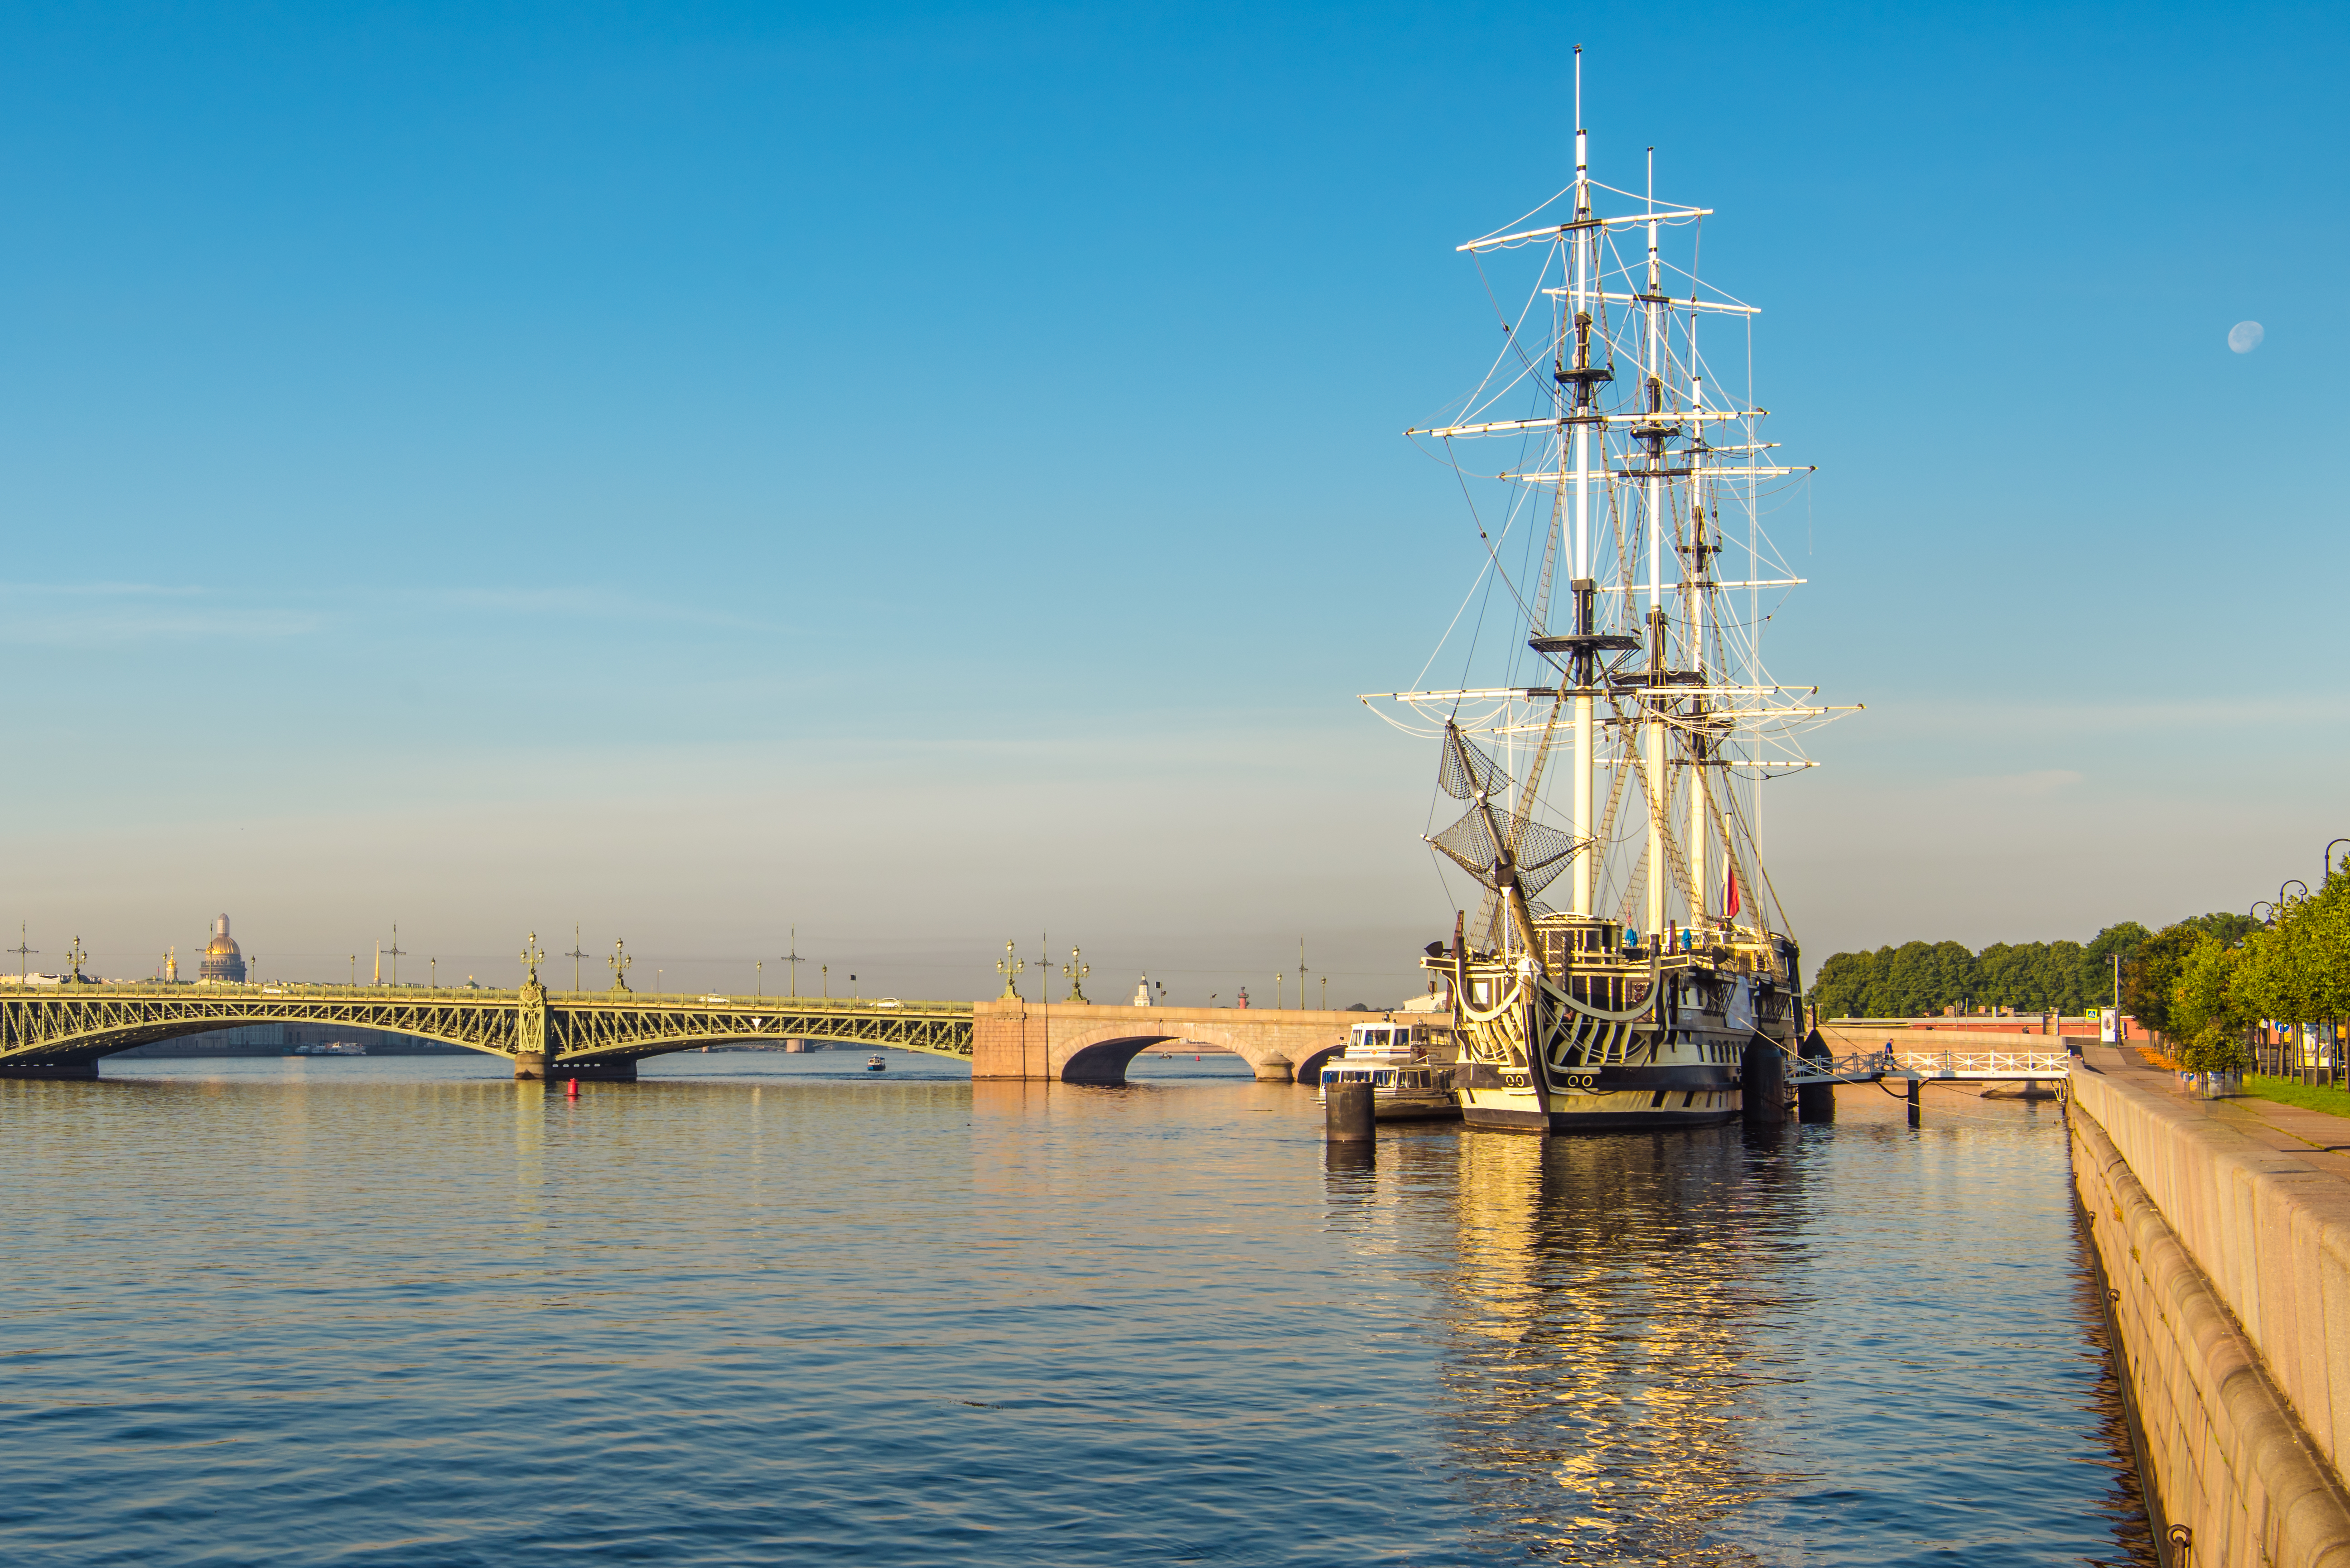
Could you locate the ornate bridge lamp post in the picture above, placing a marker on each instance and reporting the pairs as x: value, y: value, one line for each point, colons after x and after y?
x: 1009, y: 966
x: 759, y: 979
x: 619, y: 961
x: 1075, y: 973
x: 75, y: 960
x: 532, y: 955
x: 575, y: 955
x: 2294, y: 1027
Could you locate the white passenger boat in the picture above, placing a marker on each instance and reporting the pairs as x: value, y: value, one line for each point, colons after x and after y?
x: 1620, y: 477
x: 1395, y: 1059
x: 877, y: 1062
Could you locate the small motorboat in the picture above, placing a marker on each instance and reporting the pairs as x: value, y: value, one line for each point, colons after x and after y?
x: 877, y: 1062
x: 1393, y: 1057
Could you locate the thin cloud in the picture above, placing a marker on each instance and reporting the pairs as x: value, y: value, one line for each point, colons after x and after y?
x: 101, y: 590
x: 600, y: 603
x: 105, y: 615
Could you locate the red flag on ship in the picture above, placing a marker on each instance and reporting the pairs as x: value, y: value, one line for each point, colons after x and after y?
x: 1730, y: 892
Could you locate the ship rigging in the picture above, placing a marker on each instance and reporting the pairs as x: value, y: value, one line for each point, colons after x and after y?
x: 1631, y: 476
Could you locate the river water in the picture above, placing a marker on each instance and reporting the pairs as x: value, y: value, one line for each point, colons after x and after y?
x: 771, y: 1309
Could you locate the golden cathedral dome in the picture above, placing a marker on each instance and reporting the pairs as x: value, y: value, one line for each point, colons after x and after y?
x: 222, y: 962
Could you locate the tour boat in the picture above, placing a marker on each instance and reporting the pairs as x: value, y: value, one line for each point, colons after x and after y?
x: 877, y: 1062
x: 1616, y: 733
x: 1393, y: 1057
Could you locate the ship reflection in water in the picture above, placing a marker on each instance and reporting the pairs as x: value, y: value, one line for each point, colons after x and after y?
x: 1842, y: 1344
x: 1615, y: 1307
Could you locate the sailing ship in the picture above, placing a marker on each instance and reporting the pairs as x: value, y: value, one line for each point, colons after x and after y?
x: 1634, y: 475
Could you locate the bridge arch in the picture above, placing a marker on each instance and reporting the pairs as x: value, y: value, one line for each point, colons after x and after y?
x: 1100, y: 1054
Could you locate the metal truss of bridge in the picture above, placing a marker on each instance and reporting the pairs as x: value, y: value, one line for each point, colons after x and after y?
x: 63, y: 1033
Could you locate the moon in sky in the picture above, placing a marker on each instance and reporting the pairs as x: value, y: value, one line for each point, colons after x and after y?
x: 2245, y: 335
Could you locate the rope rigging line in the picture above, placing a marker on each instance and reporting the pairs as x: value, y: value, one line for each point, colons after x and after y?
x: 1659, y: 812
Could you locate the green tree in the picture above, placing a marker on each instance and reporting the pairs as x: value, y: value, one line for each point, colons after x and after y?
x: 1840, y: 988
x: 2209, y: 1009
x: 2298, y: 971
x: 2096, y: 971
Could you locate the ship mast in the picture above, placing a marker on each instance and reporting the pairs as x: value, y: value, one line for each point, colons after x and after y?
x: 1651, y: 681
x: 1585, y: 871
x: 1653, y: 741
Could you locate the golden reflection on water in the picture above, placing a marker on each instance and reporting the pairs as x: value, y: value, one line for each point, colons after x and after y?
x: 1607, y: 1315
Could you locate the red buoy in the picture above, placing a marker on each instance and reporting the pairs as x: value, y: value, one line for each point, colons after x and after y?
x: 572, y: 1093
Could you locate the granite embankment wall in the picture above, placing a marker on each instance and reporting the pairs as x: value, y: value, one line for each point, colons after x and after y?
x: 2224, y: 1260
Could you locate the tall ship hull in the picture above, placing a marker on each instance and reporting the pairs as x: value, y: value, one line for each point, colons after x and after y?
x: 1611, y: 757
x: 1600, y: 1039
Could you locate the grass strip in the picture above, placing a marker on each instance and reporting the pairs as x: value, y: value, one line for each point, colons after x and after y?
x: 2290, y: 1092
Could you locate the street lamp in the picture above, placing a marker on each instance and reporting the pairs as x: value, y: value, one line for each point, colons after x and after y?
x: 2329, y: 858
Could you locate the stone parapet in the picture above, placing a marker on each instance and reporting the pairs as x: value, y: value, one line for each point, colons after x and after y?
x: 2223, y: 1259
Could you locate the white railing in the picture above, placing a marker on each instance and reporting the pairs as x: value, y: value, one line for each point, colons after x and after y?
x: 1863, y: 1066
x: 1991, y: 1063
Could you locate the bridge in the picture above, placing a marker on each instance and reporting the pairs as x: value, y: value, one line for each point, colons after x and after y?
x: 1084, y: 1042
x: 63, y: 1033
x: 1818, y: 1075
x: 1934, y: 1066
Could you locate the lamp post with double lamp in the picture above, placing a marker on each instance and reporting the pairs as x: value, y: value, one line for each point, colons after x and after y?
x: 2292, y: 1026
x: 2334, y: 1031
x: 2295, y: 1027
x: 2264, y: 922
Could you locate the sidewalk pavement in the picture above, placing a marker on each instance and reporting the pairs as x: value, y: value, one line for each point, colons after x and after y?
x: 2317, y: 1139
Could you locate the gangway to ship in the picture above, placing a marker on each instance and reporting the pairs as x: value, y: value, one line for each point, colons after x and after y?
x: 1933, y: 1067
x: 1919, y: 1068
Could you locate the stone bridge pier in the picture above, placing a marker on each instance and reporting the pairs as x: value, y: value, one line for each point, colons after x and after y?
x: 1083, y: 1043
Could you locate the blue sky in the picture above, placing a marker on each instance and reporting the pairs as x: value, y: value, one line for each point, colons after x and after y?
x: 931, y: 474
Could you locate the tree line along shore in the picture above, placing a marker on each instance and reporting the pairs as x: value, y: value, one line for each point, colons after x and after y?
x: 2203, y: 984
